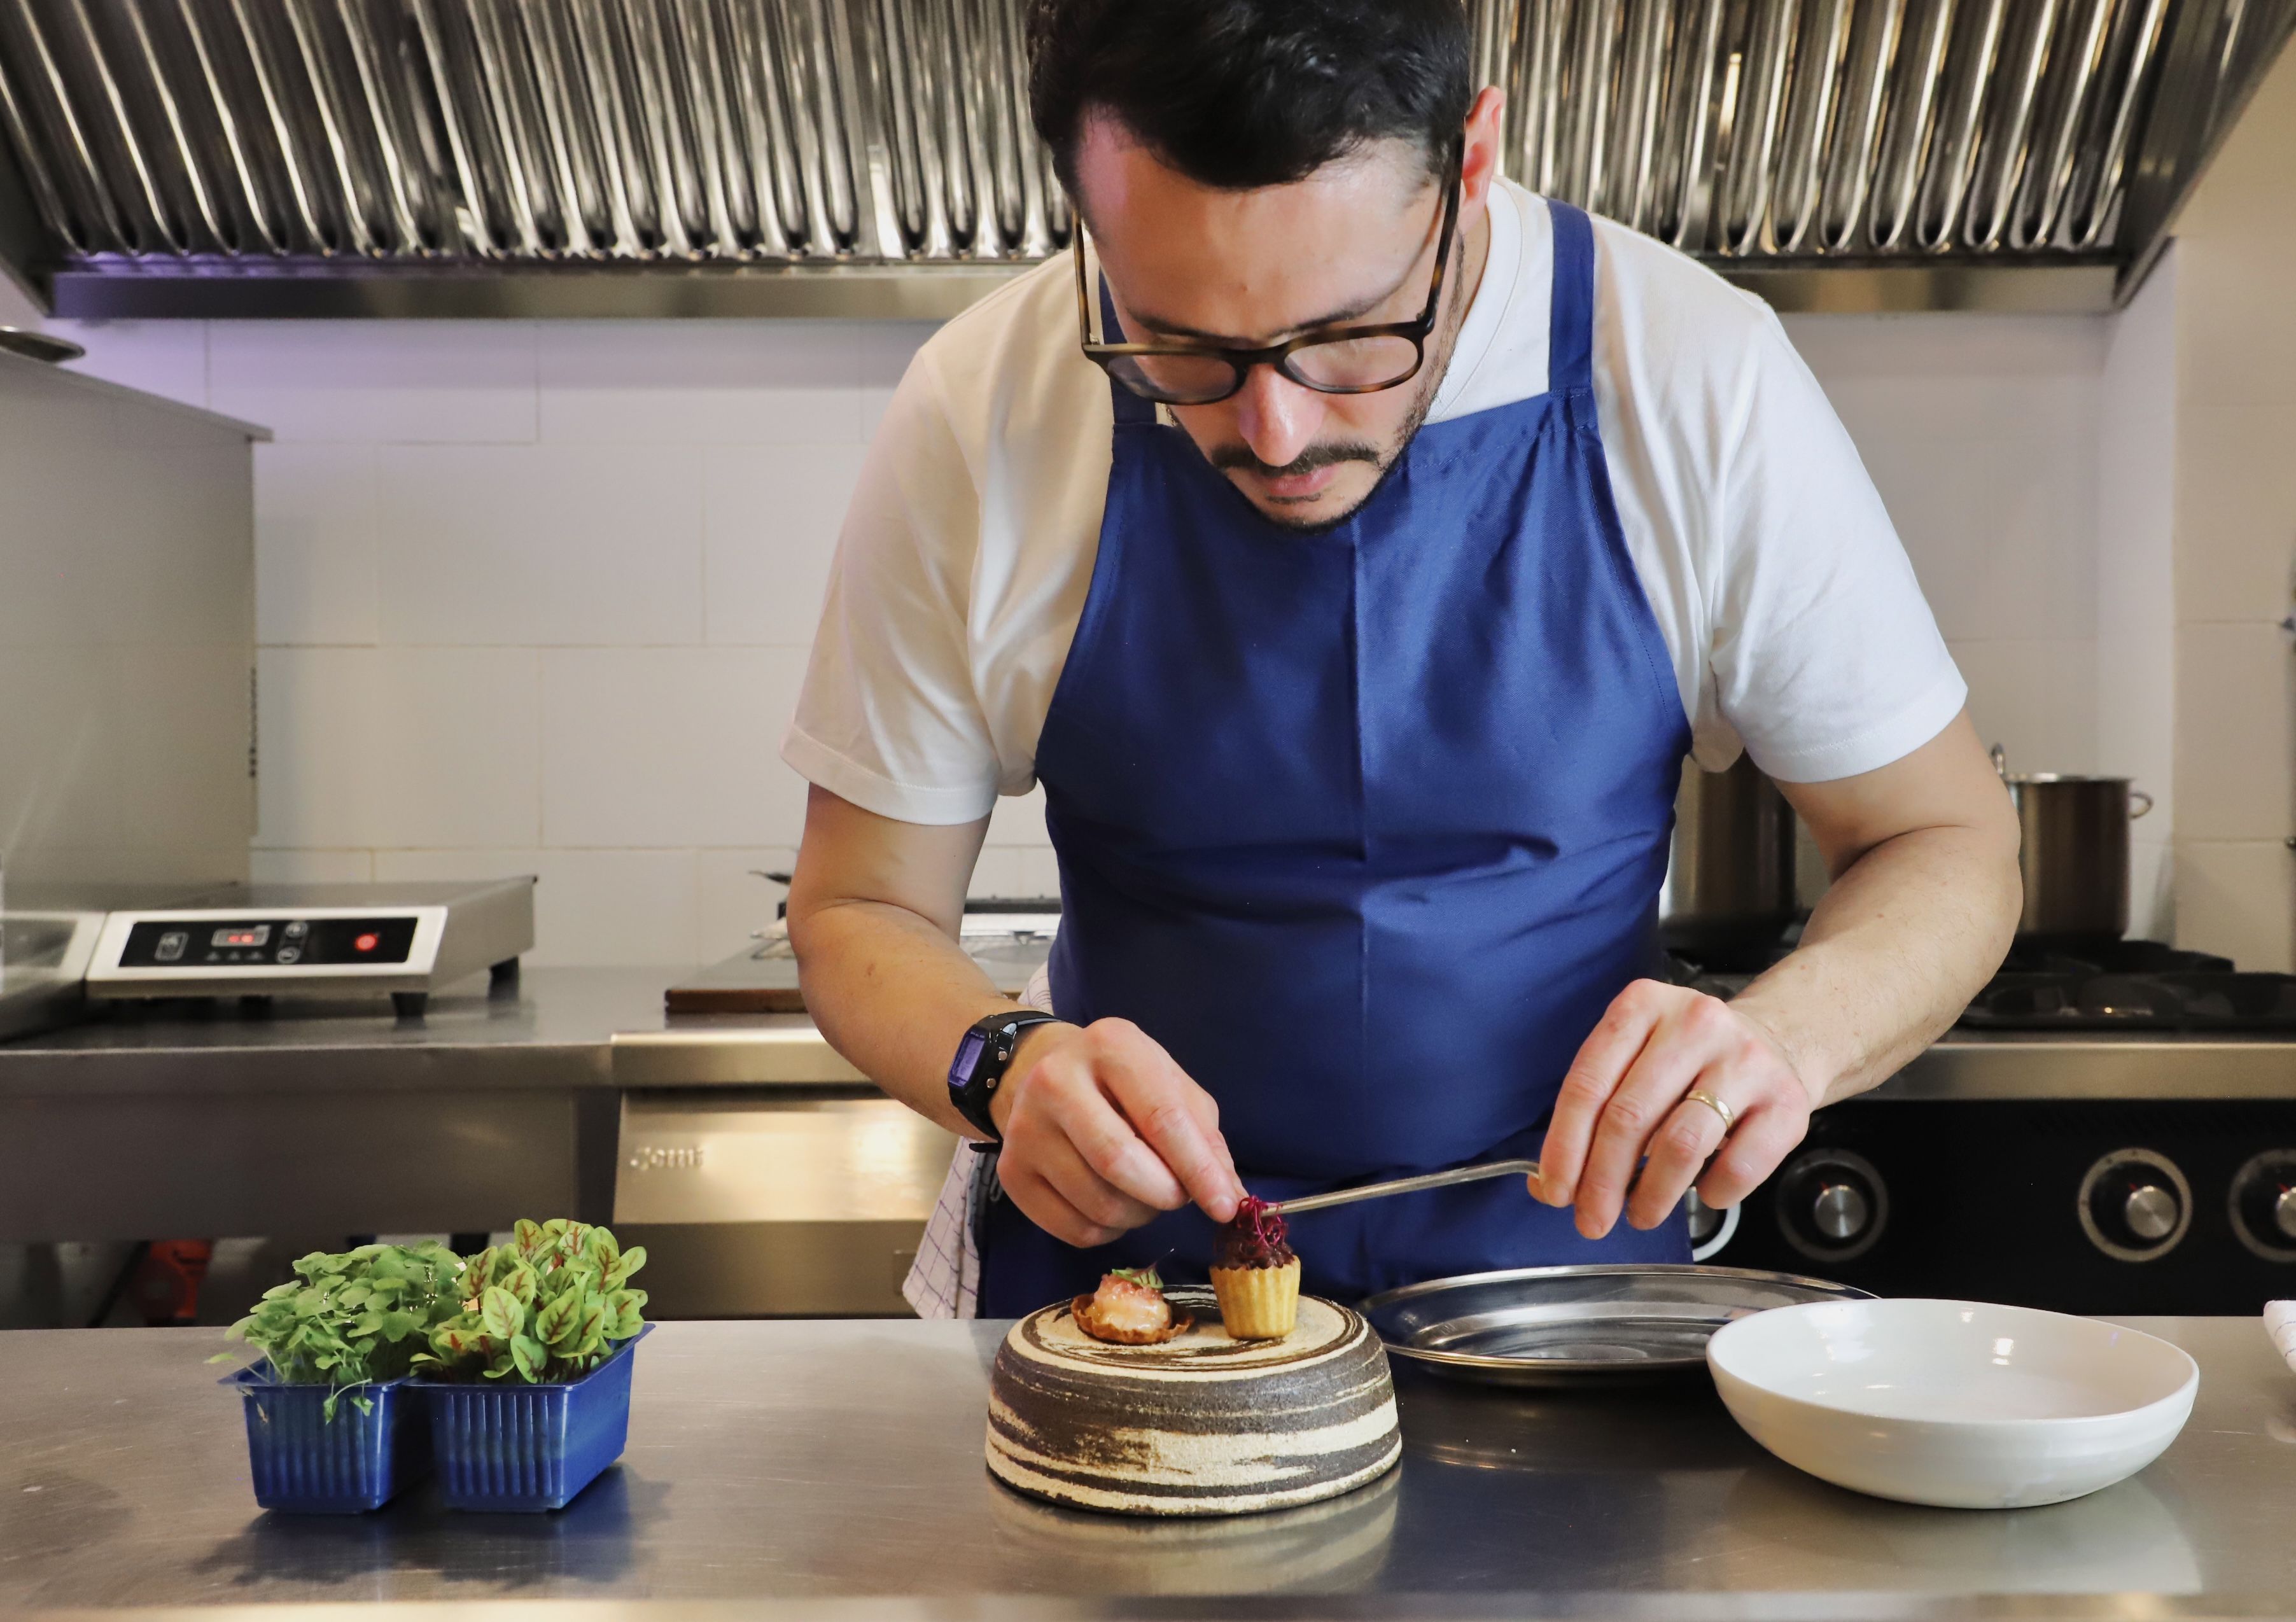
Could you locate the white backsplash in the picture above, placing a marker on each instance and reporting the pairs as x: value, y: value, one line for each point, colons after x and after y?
x: 536, y: 596
x: 1981, y: 432
x: 2234, y: 529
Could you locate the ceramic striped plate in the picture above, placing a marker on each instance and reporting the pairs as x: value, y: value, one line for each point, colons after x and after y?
x: 1198, y: 1425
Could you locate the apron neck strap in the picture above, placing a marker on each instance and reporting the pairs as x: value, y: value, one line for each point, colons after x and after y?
x: 1131, y: 410
x: 1570, y: 333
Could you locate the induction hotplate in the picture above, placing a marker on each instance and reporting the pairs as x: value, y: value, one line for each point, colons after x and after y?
x: 267, y: 940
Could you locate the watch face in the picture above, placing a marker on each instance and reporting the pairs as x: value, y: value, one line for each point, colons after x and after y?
x: 968, y: 1058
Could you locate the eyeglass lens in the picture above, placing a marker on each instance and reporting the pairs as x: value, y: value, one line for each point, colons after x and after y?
x: 1344, y: 366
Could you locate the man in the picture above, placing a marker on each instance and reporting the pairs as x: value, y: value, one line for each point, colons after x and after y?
x: 1353, y: 544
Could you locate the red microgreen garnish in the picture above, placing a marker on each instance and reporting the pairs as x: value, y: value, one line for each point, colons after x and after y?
x: 1255, y: 1237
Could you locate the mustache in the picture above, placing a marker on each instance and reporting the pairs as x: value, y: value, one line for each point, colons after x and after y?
x: 1309, y: 461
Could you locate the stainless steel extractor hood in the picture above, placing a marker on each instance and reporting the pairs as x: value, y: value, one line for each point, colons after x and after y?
x: 873, y: 157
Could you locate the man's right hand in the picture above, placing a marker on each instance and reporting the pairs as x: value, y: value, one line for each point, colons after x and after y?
x: 1103, y: 1130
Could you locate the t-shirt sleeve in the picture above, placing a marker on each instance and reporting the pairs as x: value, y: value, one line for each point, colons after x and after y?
x: 1825, y: 660
x: 889, y: 718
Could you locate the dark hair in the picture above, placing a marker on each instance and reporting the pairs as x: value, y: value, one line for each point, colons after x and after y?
x: 1241, y: 93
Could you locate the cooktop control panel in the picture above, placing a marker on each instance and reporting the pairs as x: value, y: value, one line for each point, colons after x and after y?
x: 305, y: 945
x: 201, y: 943
x: 261, y: 940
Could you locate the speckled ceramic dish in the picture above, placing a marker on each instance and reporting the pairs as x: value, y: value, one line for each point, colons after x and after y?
x: 1198, y: 1425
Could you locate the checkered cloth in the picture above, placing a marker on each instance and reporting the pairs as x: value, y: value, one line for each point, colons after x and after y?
x: 945, y: 1280
x: 2280, y: 1323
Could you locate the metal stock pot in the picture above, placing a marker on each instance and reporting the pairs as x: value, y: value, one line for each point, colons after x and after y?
x: 1730, y: 876
x: 2073, y: 852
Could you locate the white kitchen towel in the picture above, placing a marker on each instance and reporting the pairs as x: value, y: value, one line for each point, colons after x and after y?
x: 945, y: 1280
x: 2280, y: 1323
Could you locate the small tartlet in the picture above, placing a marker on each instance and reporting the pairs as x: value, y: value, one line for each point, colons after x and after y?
x: 1256, y: 1274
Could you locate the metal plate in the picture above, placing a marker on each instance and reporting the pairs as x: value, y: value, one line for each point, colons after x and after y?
x: 1536, y: 1326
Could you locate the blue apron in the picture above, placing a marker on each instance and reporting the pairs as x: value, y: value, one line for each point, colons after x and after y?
x: 1365, y: 826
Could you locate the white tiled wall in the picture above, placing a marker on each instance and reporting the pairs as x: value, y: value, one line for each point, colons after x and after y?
x: 1981, y: 432
x: 2235, y: 541
x: 2135, y: 612
x: 535, y: 597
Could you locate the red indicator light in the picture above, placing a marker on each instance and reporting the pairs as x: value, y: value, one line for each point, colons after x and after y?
x: 367, y: 943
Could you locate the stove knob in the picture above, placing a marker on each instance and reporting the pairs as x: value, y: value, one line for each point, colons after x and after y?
x: 2151, y: 1212
x: 1705, y: 1221
x: 1841, y: 1212
x: 2264, y: 1205
x: 1832, y: 1204
x: 2134, y: 1205
x: 1710, y: 1229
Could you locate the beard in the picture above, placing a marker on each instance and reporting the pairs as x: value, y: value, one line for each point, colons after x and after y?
x: 1381, y: 458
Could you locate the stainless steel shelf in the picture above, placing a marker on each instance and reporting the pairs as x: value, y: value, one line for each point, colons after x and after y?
x: 1965, y: 1065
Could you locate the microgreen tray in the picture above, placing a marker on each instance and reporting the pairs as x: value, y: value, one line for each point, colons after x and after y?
x: 303, y: 1462
x: 502, y: 1445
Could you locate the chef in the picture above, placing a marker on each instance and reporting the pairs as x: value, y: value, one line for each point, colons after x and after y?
x: 1353, y: 544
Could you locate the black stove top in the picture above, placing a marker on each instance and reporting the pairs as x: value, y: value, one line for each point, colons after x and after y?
x: 2115, y: 1201
x: 2130, y: 986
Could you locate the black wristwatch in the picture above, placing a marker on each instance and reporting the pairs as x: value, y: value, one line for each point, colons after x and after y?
x: 981, y: 1058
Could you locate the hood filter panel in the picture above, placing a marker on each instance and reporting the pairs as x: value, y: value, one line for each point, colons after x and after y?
x: 157, y: 136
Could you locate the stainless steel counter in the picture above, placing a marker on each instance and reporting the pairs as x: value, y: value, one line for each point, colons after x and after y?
x: 777, y: 1466
x: 318, y: 1118
x: 606, y: 1028
x: 573, y: 1089
x: 786, y: 1050
x: 553, y: 1029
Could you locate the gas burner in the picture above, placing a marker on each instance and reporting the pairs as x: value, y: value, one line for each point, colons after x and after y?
x: 2130, y: 984
x: 2091, y: 986
x: 2088, y: 957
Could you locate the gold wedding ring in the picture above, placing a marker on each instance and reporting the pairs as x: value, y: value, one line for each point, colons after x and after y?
x: 1729, y: 1116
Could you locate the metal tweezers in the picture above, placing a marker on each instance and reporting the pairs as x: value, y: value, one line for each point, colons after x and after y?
x: 1406, y: 1185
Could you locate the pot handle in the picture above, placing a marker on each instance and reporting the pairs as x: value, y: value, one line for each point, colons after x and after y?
x: 2141, y: 810
x: 2000, y: 758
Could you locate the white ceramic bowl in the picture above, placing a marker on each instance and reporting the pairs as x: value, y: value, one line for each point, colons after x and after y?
x: 1953, y: 1402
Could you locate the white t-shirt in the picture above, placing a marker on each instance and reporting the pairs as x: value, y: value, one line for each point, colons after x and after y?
x: 1793, y: 615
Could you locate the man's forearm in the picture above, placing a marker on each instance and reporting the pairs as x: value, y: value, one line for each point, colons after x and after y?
x: 1891, y: 957
x: 893, y: 995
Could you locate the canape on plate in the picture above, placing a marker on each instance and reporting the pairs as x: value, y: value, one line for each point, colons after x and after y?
x: 1129, y: 1310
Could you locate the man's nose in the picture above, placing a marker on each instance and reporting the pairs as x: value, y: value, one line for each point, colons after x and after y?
x: 1277, y: 417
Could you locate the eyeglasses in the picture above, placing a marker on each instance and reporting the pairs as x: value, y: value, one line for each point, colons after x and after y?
x: 1342, y: 359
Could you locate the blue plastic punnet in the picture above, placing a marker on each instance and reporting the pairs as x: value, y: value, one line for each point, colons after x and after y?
x: 504, y: 1445
x: 304, y: 1463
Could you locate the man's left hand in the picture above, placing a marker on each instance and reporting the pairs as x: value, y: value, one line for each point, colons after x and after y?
x: 1626, y: 1105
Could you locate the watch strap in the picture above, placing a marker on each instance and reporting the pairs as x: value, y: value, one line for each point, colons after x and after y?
x: 981, y: 1061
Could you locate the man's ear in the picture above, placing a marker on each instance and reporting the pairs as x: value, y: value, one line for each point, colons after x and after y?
x: 1479, y: 158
